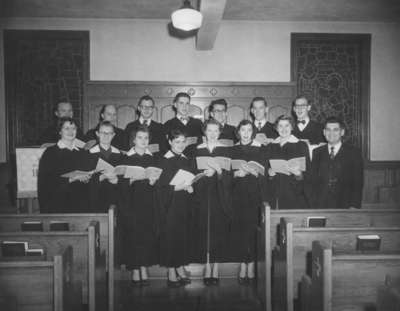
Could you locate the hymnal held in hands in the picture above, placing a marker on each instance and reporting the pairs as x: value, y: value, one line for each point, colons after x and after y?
x: 253, y: 165
x: 316, y: 221
x: 282, y: 166
x: 140, y: 173
x: 77, y: 173
x: 368, y: 242
x: 185, y: 177
x: 105, y: 167
x: 204, y: 163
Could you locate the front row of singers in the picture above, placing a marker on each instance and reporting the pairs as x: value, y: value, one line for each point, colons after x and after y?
x: 210, y: 221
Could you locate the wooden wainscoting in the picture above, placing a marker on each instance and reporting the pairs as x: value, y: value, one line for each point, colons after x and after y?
x: 125, y: 96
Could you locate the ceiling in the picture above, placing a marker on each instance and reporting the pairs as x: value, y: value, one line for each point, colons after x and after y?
x: 264, y: 10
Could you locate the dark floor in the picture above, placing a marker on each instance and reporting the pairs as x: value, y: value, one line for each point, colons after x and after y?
x: 228, y: 295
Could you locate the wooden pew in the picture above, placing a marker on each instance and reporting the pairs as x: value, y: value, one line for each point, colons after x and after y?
x: 85, y: 254
x: 37, y: 285
x: 290, y: 257
x: 268, y: 233
x: 77, y: 222
x: 389, y: 295
x: 346, y: 281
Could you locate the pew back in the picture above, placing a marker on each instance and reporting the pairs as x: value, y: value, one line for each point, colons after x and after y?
x: 38, y: 285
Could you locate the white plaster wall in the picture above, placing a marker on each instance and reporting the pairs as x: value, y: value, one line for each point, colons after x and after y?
x: 244, y: 51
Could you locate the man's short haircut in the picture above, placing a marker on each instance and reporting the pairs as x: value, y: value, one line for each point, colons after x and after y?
x: 284, y: 118
x: 244, y: 123
x: 334, y: 119
x: 181, y: 94
x: 175, y: 133
x: 220, y: 101
x: 63, y: 120
x: 211, y: 122
x: 106, y: 124
x: 60, y: 103
x: 301, y: 96
x: 256, y: 99
x: 103, y: 109
x: 145, y: 97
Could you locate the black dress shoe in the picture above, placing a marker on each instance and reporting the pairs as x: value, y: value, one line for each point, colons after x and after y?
x: 136, y: 283
x: 145, y: 282
x: 174, y: 284
x: 242, y: 281
x: 214, y: 281
x: 207, y: 281
x: 184, y: 279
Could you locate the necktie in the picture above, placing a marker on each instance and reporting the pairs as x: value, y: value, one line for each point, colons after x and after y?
x: 301, y: 122
x: 184, y: 120
x: 259, y: 125
x: 332, y: 153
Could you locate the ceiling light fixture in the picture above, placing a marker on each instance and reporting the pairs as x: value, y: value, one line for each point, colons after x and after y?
x: 186, y: 18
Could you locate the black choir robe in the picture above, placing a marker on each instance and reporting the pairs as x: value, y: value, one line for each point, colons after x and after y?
x: 347, y: 169
x: 192, y: 129
x: 228, y: 132
x: 120, y: 140
x: 213, y: 206
x: 313, y: 132
x: 287, y: 192
x: 267, y: 129
x: 157, y: 135
x: 175, y: 213
x: 246, y: 204
x: 56, y: 194
x: 102, y: 194
x: 138, y: 216
x: 51, y: 135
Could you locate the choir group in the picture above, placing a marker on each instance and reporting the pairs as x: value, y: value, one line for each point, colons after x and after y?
x: 191, y: 192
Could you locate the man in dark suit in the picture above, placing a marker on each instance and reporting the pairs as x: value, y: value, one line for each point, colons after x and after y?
x: 305, y: 128
x: 182, y: 121
x: 145, y: 110
x: 50, y: 134
x: 259, y: 113
x: 218, y: 111
x: 336, y: 171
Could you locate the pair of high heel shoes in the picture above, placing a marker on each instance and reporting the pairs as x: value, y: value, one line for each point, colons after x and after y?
x: 210, y: 281
x: 141, y: 282
x: 180, y: 281
x: 246, y: 280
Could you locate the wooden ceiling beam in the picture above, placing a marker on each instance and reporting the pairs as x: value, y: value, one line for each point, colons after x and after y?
x: 212, y: 11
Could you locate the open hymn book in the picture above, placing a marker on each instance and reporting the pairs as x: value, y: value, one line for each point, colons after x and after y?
x: 204, y: 163
x: 185, y: 177
x: 128, y: 171
x: 282, y: 166
x: 241, y: 164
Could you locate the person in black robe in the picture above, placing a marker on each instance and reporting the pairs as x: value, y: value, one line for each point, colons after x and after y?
x: 59, y: 194
x: 336, y: 170
x: 109, y: 113
x: 214, y: 209
x: 305, y: 128
x: 137, y: 213
x: 218, y: 111
x: 158, y: 139
x: 287, y: 191
x: 182, y: 121
x: 246, y: 202
x: 103, y: 186
x: 51, y: 134
x: 259, y: 113
x: 176, y: 205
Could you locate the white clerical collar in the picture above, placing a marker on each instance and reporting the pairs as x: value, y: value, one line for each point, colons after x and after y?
x: 62, y: 145
x: 132, y: 151
x: 291, y: 139
x: 96, y: 149
x: 141, y: 121
x: 336, y: 148
x: 257, y: 123
x: 170, y: 155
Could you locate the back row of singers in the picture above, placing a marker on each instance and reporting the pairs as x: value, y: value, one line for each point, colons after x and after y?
x: 304, y: 128
x: 211, y: 221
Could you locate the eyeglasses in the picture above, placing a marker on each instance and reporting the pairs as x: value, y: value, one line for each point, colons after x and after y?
x: 106, y: 133
x: 147, y: 107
